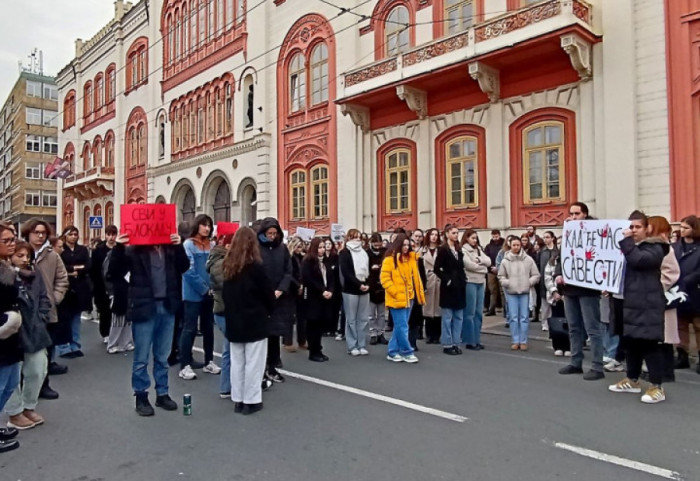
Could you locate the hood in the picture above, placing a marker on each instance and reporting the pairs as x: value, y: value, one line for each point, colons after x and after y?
x: 515, y: 257
x: 354, y: 245
x: 266, y: 224
x: 216, y: 254
x: 468, y: 248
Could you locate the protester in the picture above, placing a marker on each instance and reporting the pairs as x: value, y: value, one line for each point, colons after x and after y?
x: 154, y: 295
x: 248, y: 298
x: 183, y: 230
x: 476, y: 266
x: 532, y: 236
x: 102, y: 302
x: 544, y: 255
x: 492, y: 249
x: 643, y: 309
x: 431, y: 309
x: 377, y: 308
x: 318, y: 296
x: 48, y: 263
x: 449, y: 267
x: 296, y: 289
x: 687, y: 252
x: 499, y: 258
x: 582, y: 307
x: 401, y: 281
x: 10, y: 323
x: 558, y: 331
x: 120, y: 337
x: 198, y: 300
x: 517, y: 274
x: 35, y: 308
x: 278, y: 268
x: 76, y: 258
x: 215, y: 268
x: 354, y: 272
x: 332, y: 260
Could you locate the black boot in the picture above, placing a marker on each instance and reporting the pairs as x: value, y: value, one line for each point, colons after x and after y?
x: 56, y: 369
x: 682, y: 361
x: 46, y: 392
x: 143, y: 406
x: 166, y: 403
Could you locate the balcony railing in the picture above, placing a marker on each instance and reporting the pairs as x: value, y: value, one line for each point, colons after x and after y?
x: 93, y: 174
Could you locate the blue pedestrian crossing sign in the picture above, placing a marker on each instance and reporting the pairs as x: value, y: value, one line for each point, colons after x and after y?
x: 96, y: 222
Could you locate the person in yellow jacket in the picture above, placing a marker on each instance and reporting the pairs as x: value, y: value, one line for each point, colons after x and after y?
x: 402, y: 283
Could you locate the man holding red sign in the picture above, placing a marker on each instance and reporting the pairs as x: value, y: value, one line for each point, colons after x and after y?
x: 154, y: 294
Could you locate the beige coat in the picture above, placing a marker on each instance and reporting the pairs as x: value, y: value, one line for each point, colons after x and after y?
x: 53, y: 273
x: 670, y: 272
x: 518, y: 273
x: 432, y: 285
x: 476, y: 264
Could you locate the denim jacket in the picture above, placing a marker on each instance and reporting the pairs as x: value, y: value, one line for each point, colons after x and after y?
x: 195, y: 282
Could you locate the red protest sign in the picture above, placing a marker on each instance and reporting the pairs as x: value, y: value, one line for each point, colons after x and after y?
x: 148, y: 224
x: 225, y: 228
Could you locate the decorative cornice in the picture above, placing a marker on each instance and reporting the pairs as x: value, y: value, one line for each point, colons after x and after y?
x: 358, y: 114
x: 435, y: 49
x: 261, y: 141
x: 416, y: 99
x: 489, y: 79
x: 517, y: 20
x: 579, y: 52
x: 367, y: 73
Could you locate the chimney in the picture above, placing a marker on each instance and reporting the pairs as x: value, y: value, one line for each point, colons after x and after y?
x: 118, y: 9
x: 79, y: 47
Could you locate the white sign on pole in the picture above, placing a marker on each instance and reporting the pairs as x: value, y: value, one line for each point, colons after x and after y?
x: 337, y: 232
x: 305, y: 234
x: 591, y: 255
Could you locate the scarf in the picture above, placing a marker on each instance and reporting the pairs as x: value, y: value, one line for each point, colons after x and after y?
x: 360, y: 259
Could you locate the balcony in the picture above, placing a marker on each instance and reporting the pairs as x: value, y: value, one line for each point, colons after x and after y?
x: 90, y: 184
x: 551, y: 18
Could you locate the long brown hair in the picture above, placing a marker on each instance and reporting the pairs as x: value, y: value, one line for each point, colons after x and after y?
x: 312, y: 251
x: 244, y: 251
x: 396, y: 247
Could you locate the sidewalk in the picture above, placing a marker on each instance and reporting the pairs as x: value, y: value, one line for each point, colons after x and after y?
x: 496, y: 325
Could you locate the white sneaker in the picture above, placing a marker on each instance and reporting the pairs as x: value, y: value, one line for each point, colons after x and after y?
x: 626, y: 385
x: 614, y: 366
x: 187, y: 373
x: 130, y: 347
x: 339, y: 337
x: 607, y: 359
x: 355, y: 352
x: 395, y: 358
x: 567, y: 353
x: 559, y: 353
x: 363, y: 351
x: 211, y: 368
x: 655, y: 394
x: 411, y: 359
x: 105, y: 340
x: 113, y: 350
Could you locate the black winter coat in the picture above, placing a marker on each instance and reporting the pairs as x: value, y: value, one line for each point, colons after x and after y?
x: 136, y: 260
x: 351, y: 284
x: 316, y: 307
x: 79, y: 295
x: 453, y: 279
x: 35, y: 307
x: 119, y: 301
x: 277, y: 263
x: 10, y: 348
x: 376, y: 291
x: 688, y: 256
x: 248, y: 301
x: 493, y: 248
x: 644, y: 303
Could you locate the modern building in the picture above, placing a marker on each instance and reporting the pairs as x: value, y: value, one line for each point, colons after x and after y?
x: 388, y: 113
x: 28, y: 141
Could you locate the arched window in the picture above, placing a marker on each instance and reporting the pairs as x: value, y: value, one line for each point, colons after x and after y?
x: 222, y: 203
x: 111, y: 88
x: 185, y: 30
x: 210, y: 117
x: 398, y: 183
x: 133, y: 147
x: 161, y: 135
x: 461, y: 172
x: 319, y: 74
x: 193, y: 26
x: 189, y: 208
x: 396, y: 31
x: 87, y: 99
x: 459, y: 15
x: 297, y: 187
x: 230, y: 13
x: 543, y: 169
x: 97, y: 212
x: 69, y: 110
x: 99, y: 91
x: 109, y: 214
x: 200, y: 121
x: 86, y: 156
x: 229, y: 107
x: 219, y: 113
x: 137, y: 59
x: 69, y: 156
x: 142, y: 141
x: 319, y: 192
x: 86, y: 224
x: 97, y: 152
x: 297, y: 83
x: 210, y: 19
x: 220, y: 16
x: 109, y: 150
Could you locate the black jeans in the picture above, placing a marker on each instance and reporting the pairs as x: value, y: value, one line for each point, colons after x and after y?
x: 105, y: 313
x: 433, y: 328
x: 273, y: 353
x: 639, y: 350
x: 204, y: 310
x: 314, y: 332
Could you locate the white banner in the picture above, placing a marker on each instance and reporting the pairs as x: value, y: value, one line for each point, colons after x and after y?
x: 337, y: 232
x: 305, y: 234
x: 591, y: 255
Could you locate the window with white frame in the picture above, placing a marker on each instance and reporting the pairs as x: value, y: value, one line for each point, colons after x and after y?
x: 50, y: 92
x: 33, y: 116
x: 33, y: 89
x: 49, y: 199
x: 50, y: 145
x: 32, y: 172
x: 33, y: 143
x: 32, y: 199
x: 50, y: 118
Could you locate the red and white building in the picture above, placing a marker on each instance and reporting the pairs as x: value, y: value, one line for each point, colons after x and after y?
x: 389, y: 113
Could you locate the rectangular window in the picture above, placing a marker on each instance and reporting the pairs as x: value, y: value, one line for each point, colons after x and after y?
x: 32, y: 199
x: 134, y: 70
x: 49, y: 199
x: 50, y: 118
x: 33, y: 89
x: 33, y: 116
x: 112, y: 85
x: 50, y: 145
x: 543, y: 167
x: 142, y: 66
x: 32, y: 172
x: 298, y: 194
x: 33, y: 143
x: 50, y: 92
x: 397, y: 181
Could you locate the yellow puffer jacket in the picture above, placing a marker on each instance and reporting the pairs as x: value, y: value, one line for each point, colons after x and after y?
x: 402, y: 282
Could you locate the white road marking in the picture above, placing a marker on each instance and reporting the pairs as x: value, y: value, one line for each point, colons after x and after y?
x: 360, y: 392
x: 626, y: 463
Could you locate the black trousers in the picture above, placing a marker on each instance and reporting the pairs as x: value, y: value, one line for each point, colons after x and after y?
x: 433, y: 328
x: 314, y: 332
x: 667, y: 354
x: 105, y: 313
x: 273, y: 353
x: 639, y: 350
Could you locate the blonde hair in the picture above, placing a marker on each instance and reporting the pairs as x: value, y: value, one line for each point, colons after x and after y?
x: 293, y: 243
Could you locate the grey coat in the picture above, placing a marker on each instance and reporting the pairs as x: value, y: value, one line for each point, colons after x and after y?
x: 518, y: 273
x: 53, y: 272
x: 432, y: 284
x: 35, y: 307
x: 215, y: 268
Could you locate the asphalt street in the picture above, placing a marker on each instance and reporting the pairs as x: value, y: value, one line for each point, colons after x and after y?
x: 511, y: 416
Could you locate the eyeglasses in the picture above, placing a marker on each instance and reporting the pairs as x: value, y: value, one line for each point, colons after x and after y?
x: 39, y: 232
x: 7, y: 241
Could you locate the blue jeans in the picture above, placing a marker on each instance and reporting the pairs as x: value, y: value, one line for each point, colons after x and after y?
x: 155, y: 334
x: 9, y: 379
x: 204, y: 311
x: 473, y: 314
x: 583, y: 315
x: 610, y: 341
x: 399, y: 338
x: 225, y: 381
x: 519, y: 317
x: 356, y: 320
x: 74, y: 344
x: 451, y: 327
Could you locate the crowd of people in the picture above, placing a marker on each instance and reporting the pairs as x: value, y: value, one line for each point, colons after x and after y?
x: 267, y: 294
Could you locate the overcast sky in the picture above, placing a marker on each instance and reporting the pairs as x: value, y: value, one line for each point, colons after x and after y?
x: 48, y: 25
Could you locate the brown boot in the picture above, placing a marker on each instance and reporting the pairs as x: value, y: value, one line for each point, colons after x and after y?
x: 290, y: 348
x: 514, y: 347
x: 21, y: 422
x: 33, y: 416
x: 523, y: 347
